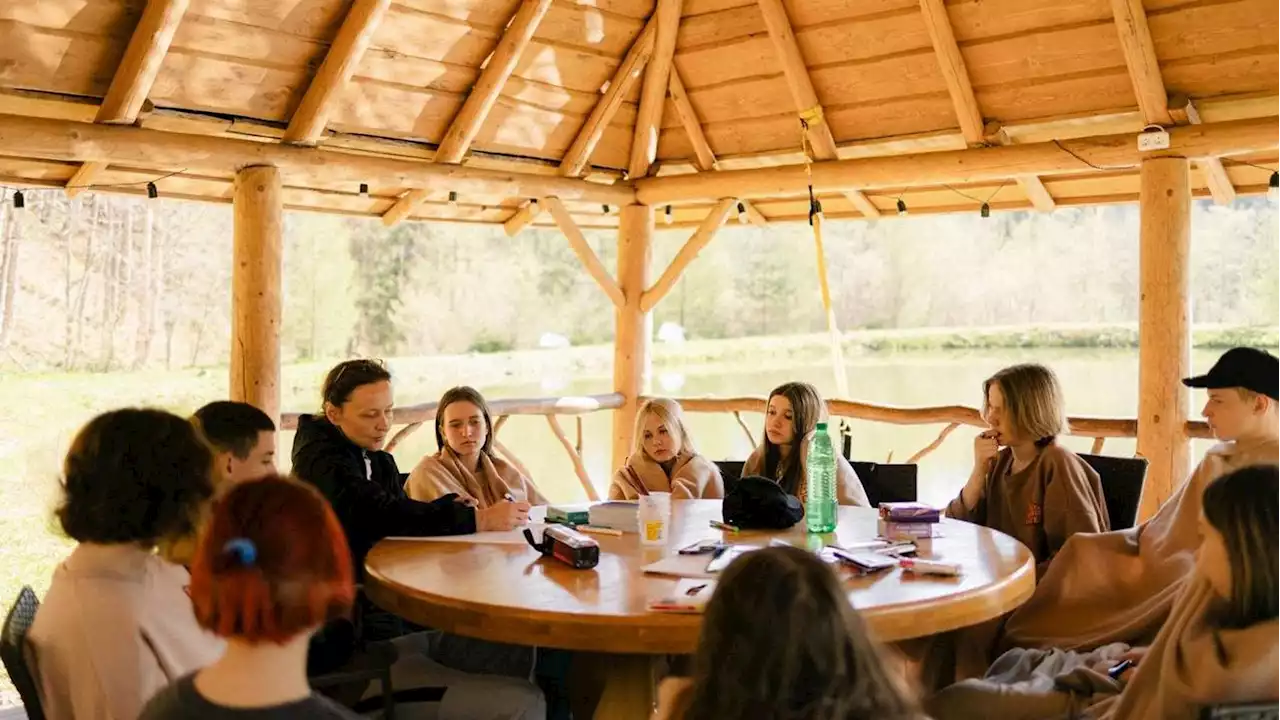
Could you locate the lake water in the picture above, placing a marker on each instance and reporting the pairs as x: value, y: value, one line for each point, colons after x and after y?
x: 1096, y: 383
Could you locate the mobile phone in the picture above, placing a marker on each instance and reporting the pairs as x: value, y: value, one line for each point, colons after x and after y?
x: 724, y: 555
x: 868, y: 561
x: 702, y: 547
x: 1117, y: 670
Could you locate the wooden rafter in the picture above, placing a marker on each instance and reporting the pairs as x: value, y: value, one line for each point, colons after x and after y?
x: 353, y: 38
x: 653, y: 94
x: 863, y: 203
x: 607, y: 106
x: 705, y: 159
x: 954, y: 72
x: 798, y: 81
x: 522, y: 218
x: 583, y: 250
x: 134, y: 76
x: 1184, y: 112
x: 1140, y: 57
x: 703, y: 235
x: 956, y: 75
x: 484, y: 94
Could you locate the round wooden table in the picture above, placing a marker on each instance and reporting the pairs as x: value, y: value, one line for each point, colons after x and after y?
x: 509, y: 593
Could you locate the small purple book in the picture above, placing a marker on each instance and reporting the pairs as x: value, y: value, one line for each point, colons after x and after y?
x: 909, y: 512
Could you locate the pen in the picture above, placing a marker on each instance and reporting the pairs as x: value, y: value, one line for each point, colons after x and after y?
x: 591, y: 530
x: 696, y: 589
x: 723, y: 526
x: 508, y: 497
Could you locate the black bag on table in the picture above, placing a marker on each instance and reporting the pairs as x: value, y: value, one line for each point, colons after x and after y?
x: 758, y: 503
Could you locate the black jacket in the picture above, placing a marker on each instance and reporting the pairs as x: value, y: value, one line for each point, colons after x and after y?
x: 369, y: 508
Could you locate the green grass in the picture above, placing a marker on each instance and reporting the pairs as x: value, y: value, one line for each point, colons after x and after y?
x: 41, y: 412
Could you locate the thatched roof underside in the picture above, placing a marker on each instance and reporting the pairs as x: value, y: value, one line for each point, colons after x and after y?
x: 1039, y: 69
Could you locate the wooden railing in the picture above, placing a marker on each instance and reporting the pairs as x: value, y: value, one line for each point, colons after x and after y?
x: 951, y: 416
x: 415, y: 416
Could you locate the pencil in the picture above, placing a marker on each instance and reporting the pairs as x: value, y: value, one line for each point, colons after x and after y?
x: 591, y: 530
x: 723, y: 526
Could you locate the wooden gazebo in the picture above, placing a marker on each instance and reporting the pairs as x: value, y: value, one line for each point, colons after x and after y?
x: 604, y: 113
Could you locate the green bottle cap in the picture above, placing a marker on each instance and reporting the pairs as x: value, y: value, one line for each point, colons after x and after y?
x: 822, y: 426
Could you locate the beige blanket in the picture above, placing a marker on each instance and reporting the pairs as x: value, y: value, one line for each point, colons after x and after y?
x: 444, y: 473
x: 1120, y: 586
x: 1191, y: 665
x: 693, y: 476
x: 850, y: 490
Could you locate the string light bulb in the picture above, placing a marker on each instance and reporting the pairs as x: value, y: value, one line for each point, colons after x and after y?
x: 152, y: 191
x: 19, y: 201
x: 902, y: 207
x: 667, y: 215
x: 604, y: 209
x: 1273, y: 184
x: 453, y: 199
x: 364, y: 189
x: 742, y: 213
x: 985, y: 211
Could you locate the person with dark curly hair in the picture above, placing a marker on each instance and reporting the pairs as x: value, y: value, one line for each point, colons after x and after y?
x: 117, y: 624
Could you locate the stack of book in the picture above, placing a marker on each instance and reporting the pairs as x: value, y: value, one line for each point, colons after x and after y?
x: 909, y: 521
x: 614, y: 515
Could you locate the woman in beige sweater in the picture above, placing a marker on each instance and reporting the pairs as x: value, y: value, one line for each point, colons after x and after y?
x: 1023, y: 483
x: 466, y: 463
x: 664, y: 458
x: 117, y: 623
x: 792, y: 414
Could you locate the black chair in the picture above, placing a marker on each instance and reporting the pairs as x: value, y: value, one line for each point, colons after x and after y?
x: 13, y: 639
x: 885, y: 482
x: 371, y: 662
x: 1251, y: 711
x: 1122, y: 480
x: 730, y: 472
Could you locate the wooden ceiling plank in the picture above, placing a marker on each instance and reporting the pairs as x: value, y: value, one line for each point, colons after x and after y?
x: 653, y: 94
x: 705, y: 159
x: 134, y: 76
x: 1184, y: 112
x: 1140, y: 57
x: 798, y: 80
x: 348, y: 48
x: 484, y: 95
x: 575, y: 159
x: 954, y: 72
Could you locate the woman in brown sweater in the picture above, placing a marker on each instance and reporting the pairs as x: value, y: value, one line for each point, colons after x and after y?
x: 1023, y: 483
x: 664, y: 458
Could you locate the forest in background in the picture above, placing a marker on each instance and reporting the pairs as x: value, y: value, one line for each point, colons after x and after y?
x: 102, y: 282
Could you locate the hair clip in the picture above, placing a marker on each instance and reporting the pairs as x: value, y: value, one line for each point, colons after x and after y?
x: 243, y: 549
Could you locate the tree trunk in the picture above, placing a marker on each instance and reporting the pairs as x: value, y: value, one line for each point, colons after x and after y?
x: 12, y: 237
x: 147, y: 297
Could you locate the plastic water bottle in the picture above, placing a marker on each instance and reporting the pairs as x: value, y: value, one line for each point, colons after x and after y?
x: 820, y: 506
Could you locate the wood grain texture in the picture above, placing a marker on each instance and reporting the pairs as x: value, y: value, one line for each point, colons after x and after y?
x: 256, y: 284
x: 653, y: 94
x: 633, y: 326
x: 953, y: 69
x: 507, y: 593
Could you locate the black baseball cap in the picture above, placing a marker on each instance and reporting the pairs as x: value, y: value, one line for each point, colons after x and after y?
x: 1241, y: 367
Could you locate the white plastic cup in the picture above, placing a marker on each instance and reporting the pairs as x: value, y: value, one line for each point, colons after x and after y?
x: 655, y: 518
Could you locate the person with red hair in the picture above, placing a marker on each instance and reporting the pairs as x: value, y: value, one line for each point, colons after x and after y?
x: 270, y: 568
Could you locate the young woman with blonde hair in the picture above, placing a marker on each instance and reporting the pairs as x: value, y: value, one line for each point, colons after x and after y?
x: 1023, y: 482
x: 664, y: 458
x: 791, y: 417
x: 466, y: 463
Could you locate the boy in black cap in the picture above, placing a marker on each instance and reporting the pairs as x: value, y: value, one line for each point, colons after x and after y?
x: 1242, y: 400
x: 1119, y: 587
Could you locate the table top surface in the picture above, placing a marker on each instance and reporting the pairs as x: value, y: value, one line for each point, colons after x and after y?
x: 509, y: 593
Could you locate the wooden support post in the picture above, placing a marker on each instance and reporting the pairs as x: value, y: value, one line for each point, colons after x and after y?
x: 1164, y: 331
x: 522, y: 217
x: 583, y: 250
x: 255, y: 289
x: 797, y: 73
x: 632, y: 325
x: 707, y: 230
